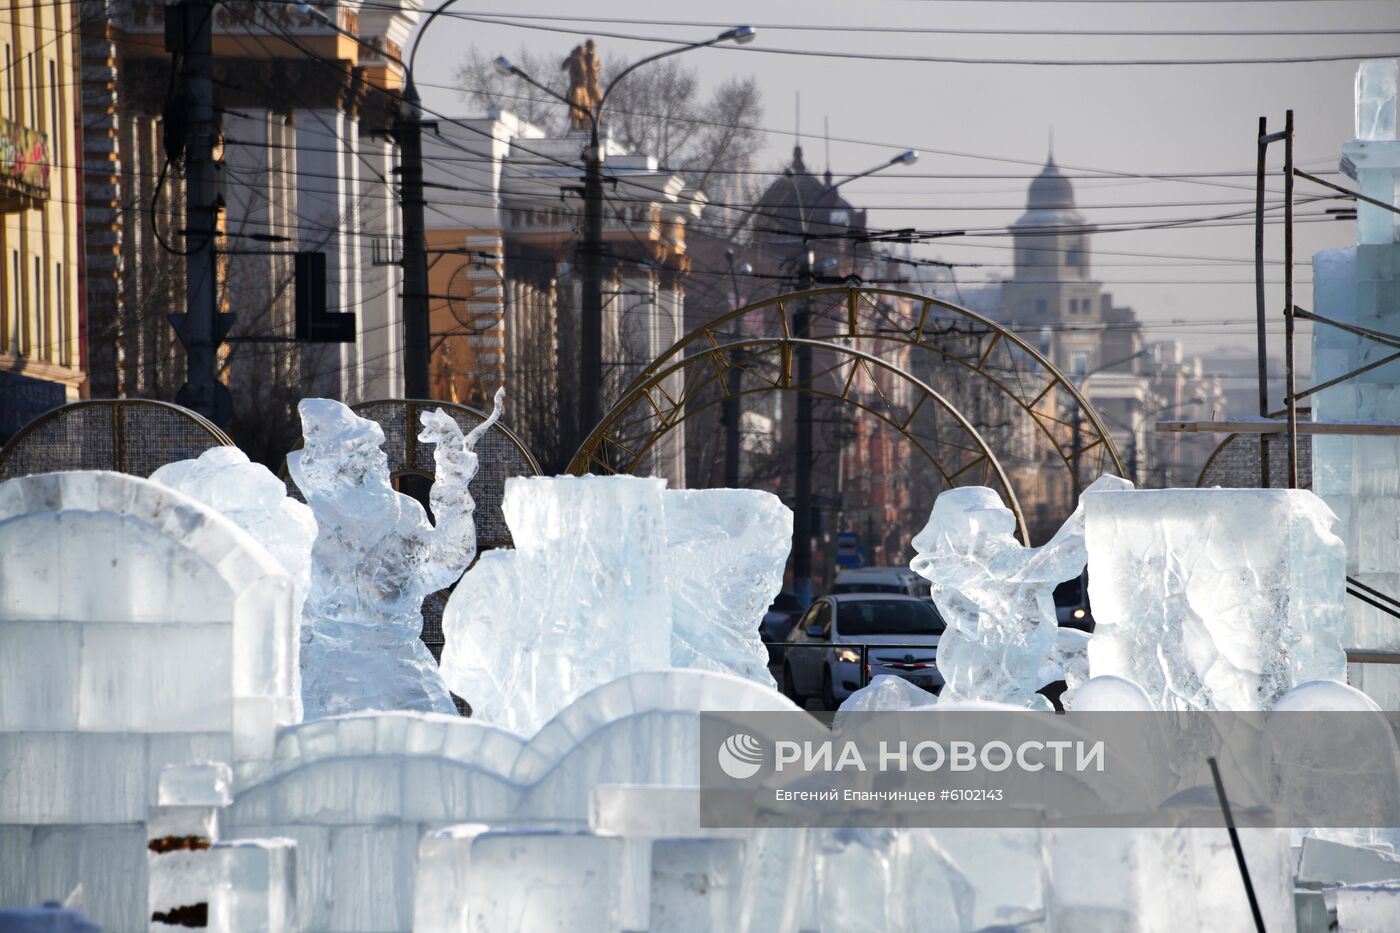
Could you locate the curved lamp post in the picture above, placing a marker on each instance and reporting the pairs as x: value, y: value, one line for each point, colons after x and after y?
x: 590, y: 250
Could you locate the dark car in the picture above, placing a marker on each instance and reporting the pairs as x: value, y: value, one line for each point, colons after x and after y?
x: 778, y: 622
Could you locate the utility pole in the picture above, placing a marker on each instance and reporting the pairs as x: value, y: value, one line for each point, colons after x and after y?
x: 1260, y: 309
x: 1288, y: 318
x: 590, y: 257
x: 802, y: 478
x: 189, y: 27
x: 408, y: 129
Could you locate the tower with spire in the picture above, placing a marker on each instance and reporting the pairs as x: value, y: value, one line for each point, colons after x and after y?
x: 1052, y: 293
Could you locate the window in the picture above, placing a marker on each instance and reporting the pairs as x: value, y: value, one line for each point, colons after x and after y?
x: 1079, y: 362
x: 33, y: 94
x: 9, y: 82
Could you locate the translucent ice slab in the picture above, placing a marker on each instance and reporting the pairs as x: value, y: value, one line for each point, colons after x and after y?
x: 1215, y: 598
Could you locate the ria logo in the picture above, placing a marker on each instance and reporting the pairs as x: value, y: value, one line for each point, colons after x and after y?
x: 741, y: 756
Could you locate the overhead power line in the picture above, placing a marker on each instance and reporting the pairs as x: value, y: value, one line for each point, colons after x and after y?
x: 941, y: 59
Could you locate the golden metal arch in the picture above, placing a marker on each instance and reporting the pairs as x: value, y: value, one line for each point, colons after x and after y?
x: 629, y: 431
x: 128, y: 435
x: 949, y: 333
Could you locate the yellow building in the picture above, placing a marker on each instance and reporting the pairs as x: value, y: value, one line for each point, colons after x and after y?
x: 41, y: 341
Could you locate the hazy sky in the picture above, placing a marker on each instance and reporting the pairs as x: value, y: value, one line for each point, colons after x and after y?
x: 1192, y: 284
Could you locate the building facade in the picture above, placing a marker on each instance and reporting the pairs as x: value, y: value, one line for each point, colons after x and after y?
x: 42, y: 362
x: 307, y: 165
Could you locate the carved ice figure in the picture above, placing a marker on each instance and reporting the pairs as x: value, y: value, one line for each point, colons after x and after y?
x: 727, y: 550
x: 250, y: 495
x: 376, y: 558
x: 582, y: 599
x: 995, y: 594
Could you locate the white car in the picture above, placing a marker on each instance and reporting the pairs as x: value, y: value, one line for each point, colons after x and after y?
x: 824, y: 654
x: 880, y: 580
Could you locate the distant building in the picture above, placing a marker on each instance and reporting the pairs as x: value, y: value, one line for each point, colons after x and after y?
x: 42, y: 348
x: 1053, y: 301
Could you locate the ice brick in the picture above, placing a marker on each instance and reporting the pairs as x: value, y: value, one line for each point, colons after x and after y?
x: 1368, y: 908
x: 39, y: 675
x: 645, y: 810
x: 695, y: 884
x: 442, y: 878
x: 1215, y: 598
x: 201, y: 783
x: 1324, y: 862
x: 543, y: 881
x: 995, y: 594
x: 1188, y: 879
x: 727, y: 550
x: 1375, y: 99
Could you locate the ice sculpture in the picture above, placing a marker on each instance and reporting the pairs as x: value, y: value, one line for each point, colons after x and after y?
x: 995, y: 594
x: 224, y: 479
x: 581, y: 601
x: 376, y: 557
x: 1215, y: 598
x: 727, y: 550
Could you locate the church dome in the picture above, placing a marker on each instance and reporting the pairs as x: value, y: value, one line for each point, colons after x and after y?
x: 1051, y: 190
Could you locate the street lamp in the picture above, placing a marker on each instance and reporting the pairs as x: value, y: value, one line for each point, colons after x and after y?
x: 590, y: 250
x: 801, y: 321
x: 732, y: 411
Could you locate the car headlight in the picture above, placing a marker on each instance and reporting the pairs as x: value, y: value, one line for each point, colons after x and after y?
x: 1079, y: 613
x: 849, y: 655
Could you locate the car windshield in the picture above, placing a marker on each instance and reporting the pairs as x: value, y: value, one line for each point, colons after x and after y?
x: 888, y: 617
x: 867, y: 588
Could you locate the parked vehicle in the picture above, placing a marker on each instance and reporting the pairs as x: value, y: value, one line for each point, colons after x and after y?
x: 1072, y: 604
x: 833, y: 629
x: 778, y: 622
x: 880, y: 580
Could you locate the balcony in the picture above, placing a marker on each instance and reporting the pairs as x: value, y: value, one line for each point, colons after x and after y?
x: 24, y: 167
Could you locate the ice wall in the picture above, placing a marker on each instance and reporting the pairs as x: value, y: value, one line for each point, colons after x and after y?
x: 995, y: 594
x: 376, y: 557
x: 1215, y: 598
x: 138, y: 629
x: 1356, y: 475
